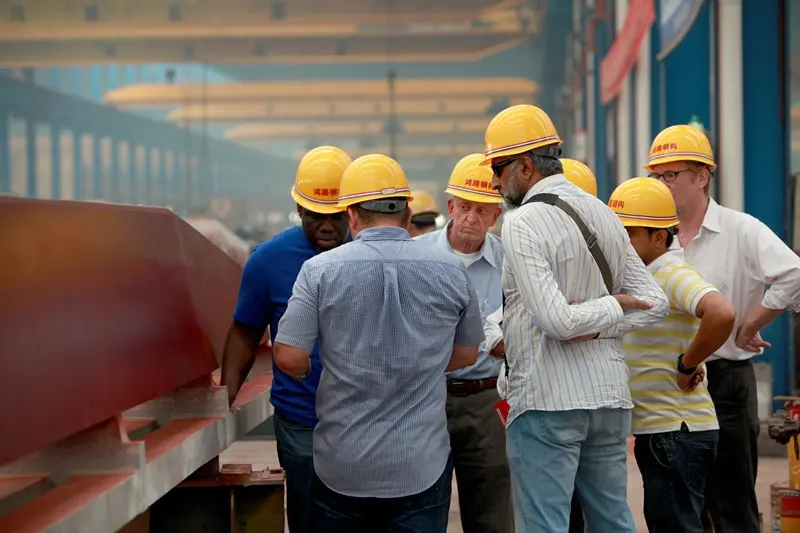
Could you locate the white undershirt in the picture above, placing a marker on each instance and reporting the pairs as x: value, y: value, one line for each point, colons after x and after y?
x: 468, y: 259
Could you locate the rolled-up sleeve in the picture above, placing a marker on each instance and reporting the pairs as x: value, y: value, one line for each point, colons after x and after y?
x: 469, y: 331
x: 299, y: 326
x: 774, y: 263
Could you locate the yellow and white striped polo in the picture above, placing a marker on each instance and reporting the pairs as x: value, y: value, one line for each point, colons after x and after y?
x: 651, y: 352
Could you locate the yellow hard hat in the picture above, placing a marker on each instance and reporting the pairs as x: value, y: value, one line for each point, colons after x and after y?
x: 423, y: 202
x: 316, y: 185
x: 373, y: 177
x: 518, y: 129
x: 680, y: 143
x: 644, y: 202
x: 580, y: 175
x: 473, y: 182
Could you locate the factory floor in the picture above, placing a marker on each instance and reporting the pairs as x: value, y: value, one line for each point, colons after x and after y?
x: 262, y: 453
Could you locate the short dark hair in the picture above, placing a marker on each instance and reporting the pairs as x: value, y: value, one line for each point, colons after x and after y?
x: 371, y: 217
x: 671, y: 232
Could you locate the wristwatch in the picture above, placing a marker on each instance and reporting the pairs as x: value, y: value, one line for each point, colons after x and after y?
x: 307, y: 372
x: 684, y: 370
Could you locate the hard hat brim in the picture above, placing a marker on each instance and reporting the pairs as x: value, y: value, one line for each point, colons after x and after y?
x: 475, y: 196
x: 680, y: 157
x: 647, y: 222
x: 328, y: 208
x: 347, y: 202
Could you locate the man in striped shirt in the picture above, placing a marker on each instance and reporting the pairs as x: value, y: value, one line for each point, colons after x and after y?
x: 569, y: 403
x: 674, y: 420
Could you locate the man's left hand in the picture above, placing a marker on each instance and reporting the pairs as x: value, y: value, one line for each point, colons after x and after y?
x: 751, y: 342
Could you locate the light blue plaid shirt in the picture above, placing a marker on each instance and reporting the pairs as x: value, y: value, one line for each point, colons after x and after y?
x: 387, y: 311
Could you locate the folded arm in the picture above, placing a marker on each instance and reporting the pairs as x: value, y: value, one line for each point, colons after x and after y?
x: 526, y: 256
x: 639, y: 283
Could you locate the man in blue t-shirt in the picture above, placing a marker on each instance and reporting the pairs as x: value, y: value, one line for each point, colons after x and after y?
x: 264, y: 292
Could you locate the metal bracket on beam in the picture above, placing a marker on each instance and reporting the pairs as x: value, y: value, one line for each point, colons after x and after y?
x: 199, y: 399
x: 102, y: 449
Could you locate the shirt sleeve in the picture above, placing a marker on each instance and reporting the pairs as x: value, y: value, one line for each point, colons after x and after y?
x: 253, y: 308
x: 770, y: 260
x: 469, y: 330
x: 639, y: 283
x: 492, y: 330
x: 685, y: 287
x: 299, y: 326
x: 526, y: 257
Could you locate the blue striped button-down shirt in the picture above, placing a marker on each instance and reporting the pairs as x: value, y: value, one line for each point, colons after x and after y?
x: 548, y: 266
x: 484, y: 273
x: 387, y: 311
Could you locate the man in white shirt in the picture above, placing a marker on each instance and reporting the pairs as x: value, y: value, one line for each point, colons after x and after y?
x: 569, y: 403
x: 739, y: 255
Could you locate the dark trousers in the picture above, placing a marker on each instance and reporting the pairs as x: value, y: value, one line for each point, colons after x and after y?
x: 426, y: 512
x: 478, y: 447
x: 731, y: 495
x: 675, y: 467
x: 295, y: 454
x: 576, y: 522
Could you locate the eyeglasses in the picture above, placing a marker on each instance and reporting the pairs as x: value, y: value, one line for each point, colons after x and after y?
x: 497, y: 168
x: 670, y: 175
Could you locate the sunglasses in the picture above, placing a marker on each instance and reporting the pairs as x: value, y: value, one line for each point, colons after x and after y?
x: 497, y: 168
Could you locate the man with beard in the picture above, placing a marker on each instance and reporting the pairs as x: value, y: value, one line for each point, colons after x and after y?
x: 477, y: 441
x: 265, y: 289
x: 569, y: 407
x: 581, y: 176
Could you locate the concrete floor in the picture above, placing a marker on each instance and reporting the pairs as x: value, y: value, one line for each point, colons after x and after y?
x: 262, y: 453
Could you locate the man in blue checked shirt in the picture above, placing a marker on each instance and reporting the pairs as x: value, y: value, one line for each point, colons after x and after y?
x: 477, y: 437
x: 265, y: 289
x: 392, y: 315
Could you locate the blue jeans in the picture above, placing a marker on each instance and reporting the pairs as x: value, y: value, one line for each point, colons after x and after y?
x: 675, y: 467
x: 295, y: 453
x: 551, y: 453
x: 426, y: 512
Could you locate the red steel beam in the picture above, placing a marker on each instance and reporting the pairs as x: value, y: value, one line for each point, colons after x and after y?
x: 102, y: 307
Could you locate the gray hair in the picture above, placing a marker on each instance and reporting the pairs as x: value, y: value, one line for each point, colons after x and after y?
x: 547, y: 166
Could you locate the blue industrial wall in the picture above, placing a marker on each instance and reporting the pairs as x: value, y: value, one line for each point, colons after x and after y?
x: 766, y: 175
x: 683, y: 85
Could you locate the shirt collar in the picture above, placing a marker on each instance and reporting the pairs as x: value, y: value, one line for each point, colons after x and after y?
x: 383, y: 233
x: 544, y: 184
x: 671, y: 256
x: 711, y: 220
x: 486, y: 251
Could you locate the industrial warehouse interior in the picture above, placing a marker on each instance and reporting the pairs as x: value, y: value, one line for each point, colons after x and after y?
x: 157, y: 157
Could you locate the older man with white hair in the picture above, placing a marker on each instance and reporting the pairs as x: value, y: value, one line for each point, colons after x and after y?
x: 477, y: 439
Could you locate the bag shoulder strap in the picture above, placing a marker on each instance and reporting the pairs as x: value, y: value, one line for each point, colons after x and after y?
x: 589, y: 237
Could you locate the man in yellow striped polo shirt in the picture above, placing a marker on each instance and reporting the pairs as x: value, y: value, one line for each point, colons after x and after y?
x: 674, y: 421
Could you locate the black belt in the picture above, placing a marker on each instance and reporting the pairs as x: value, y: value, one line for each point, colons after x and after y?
x: 464, y: 387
